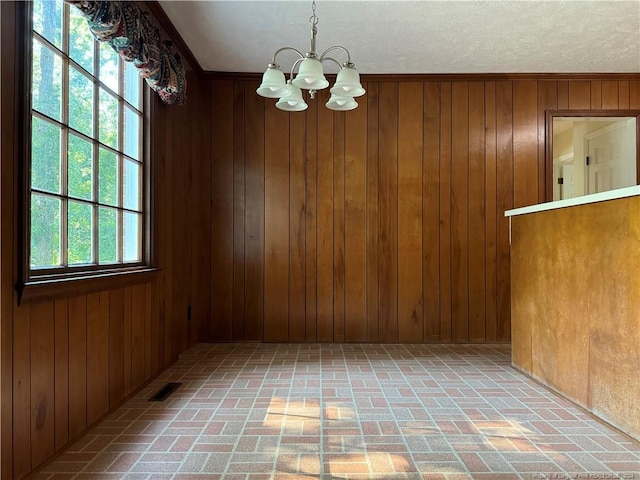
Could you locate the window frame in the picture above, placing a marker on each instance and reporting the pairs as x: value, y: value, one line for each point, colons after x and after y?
x: 40, y: 283
x: 551, y: 114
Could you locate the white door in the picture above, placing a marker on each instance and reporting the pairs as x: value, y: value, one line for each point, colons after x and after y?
x: 563, y: 180
x: 567, y: 185
x: 611, y: 159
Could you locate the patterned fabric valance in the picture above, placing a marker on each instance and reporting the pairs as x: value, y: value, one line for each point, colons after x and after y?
x: 129, y: 31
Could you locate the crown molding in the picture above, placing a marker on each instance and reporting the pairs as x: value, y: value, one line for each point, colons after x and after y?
x: 445, y: 77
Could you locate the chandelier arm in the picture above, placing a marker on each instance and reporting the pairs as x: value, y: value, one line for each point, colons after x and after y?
x: 336, y: 47
x: 293, y: 67
x: 333, y: 60
x: 283, y: 49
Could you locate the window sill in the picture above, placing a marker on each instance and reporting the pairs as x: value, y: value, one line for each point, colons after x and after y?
x: 36, y: 290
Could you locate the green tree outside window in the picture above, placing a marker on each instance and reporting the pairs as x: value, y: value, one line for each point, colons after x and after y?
x: 86, y: 131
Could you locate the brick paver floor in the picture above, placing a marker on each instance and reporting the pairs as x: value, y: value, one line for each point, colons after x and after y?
x: 348, y: 411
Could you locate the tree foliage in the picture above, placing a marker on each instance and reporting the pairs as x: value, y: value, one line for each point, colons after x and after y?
x: 93, y: 172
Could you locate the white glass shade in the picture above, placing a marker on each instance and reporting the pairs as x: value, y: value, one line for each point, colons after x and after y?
x: 273, y: 84
x: 348, y: 83
x: 292, y: 101
x: 339, y: 103
x: 310, y: 75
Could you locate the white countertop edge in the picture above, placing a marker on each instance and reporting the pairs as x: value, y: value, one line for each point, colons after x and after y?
x: 571, y: 202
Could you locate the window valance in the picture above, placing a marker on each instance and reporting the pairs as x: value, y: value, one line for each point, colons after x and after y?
x: 130, y: 32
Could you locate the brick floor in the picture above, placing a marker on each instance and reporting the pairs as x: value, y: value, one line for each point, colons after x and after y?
x: 329, y: 411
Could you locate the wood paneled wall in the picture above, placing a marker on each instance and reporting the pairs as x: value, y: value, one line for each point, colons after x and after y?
x: 383, y: 224
x: 575, y: 302
x: 68, y: 361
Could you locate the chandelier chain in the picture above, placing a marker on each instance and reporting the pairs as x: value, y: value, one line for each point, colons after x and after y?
x: 313, y: 19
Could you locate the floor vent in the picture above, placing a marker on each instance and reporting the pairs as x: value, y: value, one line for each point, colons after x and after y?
x: 164, y: 392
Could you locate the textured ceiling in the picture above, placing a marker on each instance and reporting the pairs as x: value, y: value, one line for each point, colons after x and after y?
x: 427, y: 36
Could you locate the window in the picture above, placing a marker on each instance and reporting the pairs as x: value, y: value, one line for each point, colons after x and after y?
x: 87, y: 174
x: 591, y: 151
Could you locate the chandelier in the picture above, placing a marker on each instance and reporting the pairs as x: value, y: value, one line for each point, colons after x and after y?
x: 311, y: 77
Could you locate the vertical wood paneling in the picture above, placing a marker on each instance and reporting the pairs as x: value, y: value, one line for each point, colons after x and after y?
x: 388, y: 211
x: 22, y: 391
x: 160, y: 303
x: 459, y: 212
x: 97, y: 356
x: 596, y: 94
x: 182, y: 231
x: 311, y: 223
x: 623, y: 95
x: 42, y: 382
x: 548, y: 100
x: 563, y: 94
x: 61, y: 373
x: 372, y: 212
x: 126, y: 351
x: 163, y: 300
x: 525, y: 142
x: 355, y: 205
x: 276, y: 221
x: 634, y: 94
x: 154, y: 307
x: 254, y: 214
x: 521, y: 110
x: 325, y: 225
x: 297, y: 230
x: 410, y: 164
x: 431, y: 213
x: 239, y: 207
x: 179, y: 323
x: 504, y: 165
x: 338, y: 226
x: 178, y: 283
x: 580, y: 95
x: 385, y: 223
x: 200, y: 211
x: 77, y: 365
x: 139, y: 333
x: 116, y: 346
x: 9, y: 97
x: 610, y: 96
x: 477, y: 211
x: 222, y: 214
x: 445, y: 211
x: 491, y: 220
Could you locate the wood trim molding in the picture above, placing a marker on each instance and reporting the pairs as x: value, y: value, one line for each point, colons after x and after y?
x: 8, y: 224
x: 551, y: 114
x: 23, y: 139
x: 430, y: 77
x: 49, y: 289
